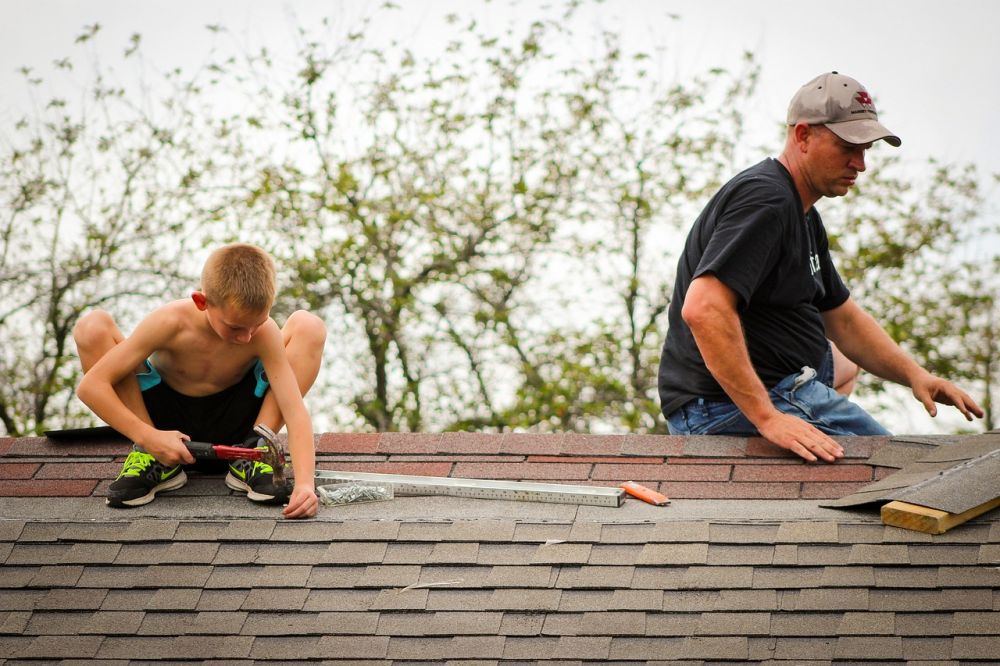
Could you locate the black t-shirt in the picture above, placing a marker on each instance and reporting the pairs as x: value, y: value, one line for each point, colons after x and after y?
x: 754, y: 237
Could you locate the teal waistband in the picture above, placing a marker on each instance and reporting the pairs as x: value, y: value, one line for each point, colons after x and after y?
x: 151, y: 378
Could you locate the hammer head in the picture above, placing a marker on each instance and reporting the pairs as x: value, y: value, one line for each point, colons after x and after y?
x: 273, y: 455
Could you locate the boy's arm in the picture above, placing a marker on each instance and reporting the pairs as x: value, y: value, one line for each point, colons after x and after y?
x: 303, y: 501
x: 97, y: 390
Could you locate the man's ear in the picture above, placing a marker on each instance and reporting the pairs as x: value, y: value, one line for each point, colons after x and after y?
x: 802, y: 133
x: 199, y: 299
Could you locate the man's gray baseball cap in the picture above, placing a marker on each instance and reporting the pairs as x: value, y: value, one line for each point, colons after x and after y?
x: 843, y: 106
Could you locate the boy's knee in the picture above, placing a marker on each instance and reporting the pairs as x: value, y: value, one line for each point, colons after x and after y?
x: 307, y: 328
x: 95, y: 327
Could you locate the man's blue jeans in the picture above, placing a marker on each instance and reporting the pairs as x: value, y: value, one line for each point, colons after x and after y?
x: 807, y: 394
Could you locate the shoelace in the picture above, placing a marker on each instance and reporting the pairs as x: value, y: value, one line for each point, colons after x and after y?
x: 135, y: 462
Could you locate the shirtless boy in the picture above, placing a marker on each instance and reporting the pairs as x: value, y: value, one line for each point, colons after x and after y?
x: 207, y: 369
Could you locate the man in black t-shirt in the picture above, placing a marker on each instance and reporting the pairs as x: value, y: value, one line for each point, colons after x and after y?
x: 757, y: 298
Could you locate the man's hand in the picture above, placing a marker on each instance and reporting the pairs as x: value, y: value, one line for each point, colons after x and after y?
x: 303, y: 502
x: 167, y: 446
x: 929, y: 389
x: 792, y: 433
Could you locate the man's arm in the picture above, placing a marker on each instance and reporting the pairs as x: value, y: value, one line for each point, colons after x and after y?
x: 710, y: 312
x: 866, y: 343
x: 97, y: 391
x: 303, y: 502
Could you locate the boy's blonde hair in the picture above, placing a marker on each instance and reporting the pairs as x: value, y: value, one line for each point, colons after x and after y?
x: 240, y: 275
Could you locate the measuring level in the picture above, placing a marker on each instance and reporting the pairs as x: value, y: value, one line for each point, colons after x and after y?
x: 523, y: 491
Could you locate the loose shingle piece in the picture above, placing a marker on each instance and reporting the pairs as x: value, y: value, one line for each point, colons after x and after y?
x: 722, y: 580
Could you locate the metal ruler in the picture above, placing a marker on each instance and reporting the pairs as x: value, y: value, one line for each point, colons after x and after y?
x: 523, y: 491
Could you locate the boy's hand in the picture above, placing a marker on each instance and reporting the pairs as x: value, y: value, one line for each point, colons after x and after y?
x: 303, y: 502
x: 167, y: 446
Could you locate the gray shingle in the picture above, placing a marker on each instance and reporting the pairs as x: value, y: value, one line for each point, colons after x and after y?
x: 35, y: 554
x: 740, y: 533
x: 989, y: 554
x: 204, y: 531
x: 931, y: 600
x: 777, y: 578
x: 166, y: 553
x: 573, y: 601
x: 149, y: 529
x: 627, y: 533
x: 391, y: 623
x: 610, y: 623
x: 292, y: 553
x: 197, y: 647
x: 822, y: 599
x: 521, y: 624
x: 721, y: 647
x: 19, y: 600
x: 598, y: 577
x: 71, y: 599
x: 335, y: 577
x: 392, y: 575
x: 222, y: 600
x: 249, y: 530
x: 406, y: 553
x: 278, y: 648
x: 740, y: 554
x: 561, y: 553
x: 879, y: 554
x: 847, y: 577
x: 542, y: 532
x: 56, y: 576
x: 514, y: 553
x: 303, y: 623
x: 729, y: 624
x: 808, y: 532
x: 906, y: 577
x: 459, y: 647
x: 352, y: 647
x: 235, y: 553
x: 867, y: 647
x: 745, y: 600
x: 18, y: 577
x: 126, y: 600
x: 10, y: 530
x: 535, y: 576
x: 638, y: 600
x: 606, y: 554
x: 14, y: 646
x: 797, y: 649
x: 976, y: 623
x: 275, y: 599
x: 413, y: 599
x: 672, y: 624
x: 174, y: 575
x: 975, y: 647
x: 14, y: 622
x: 804, y: 624
x: 685, y: 601
x: 355, y: 552
x: 674, y: 553
x: 867, y: 624
x: 926, y: 624
x: 55, y: 623
x: 114, y: 532
x: 925, y: 649
x: 59, y: 647
x: 650, y: 648
x: 92, y: 553
x: 716, y: 578
x: 849, y: 533
x: 168, y: 623
x: 822, y: 555
x: 462, y: 530
x: 43, y: 532
x: 340, y: 600
x: 454, y: 553
x: 520, y: 600
x: 969, y: 576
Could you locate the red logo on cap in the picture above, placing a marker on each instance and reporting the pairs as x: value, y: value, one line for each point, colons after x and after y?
x: 864, y: 98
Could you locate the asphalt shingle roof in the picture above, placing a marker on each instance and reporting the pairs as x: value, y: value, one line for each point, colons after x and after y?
x: 743, y: 567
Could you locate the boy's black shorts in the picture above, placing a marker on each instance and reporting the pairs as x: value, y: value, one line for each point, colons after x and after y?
x: 226, y: 417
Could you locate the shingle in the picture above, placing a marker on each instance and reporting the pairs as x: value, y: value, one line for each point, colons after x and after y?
x: 34, y: 554
x: 249, y: 530
x: 586, y: 532
x: 861, y: 533
x: 235, y: 553
x: 649, y: 648
x: 10, y: 530
x: 457, y: 553
x: 56, y: 576
x: 797, y: 649
x: 352, y: 530
x: 867, y: 624
x: 167, y: 624
x: 292, y: 553
x: 221, y: 600
x: 113, y: 577
x: 92, y: 553
x: 354, y: 552
x: 502, y: 576
x: 821, y: 555
x: 942, y: 554
x: 302, y: 623
x: 628, y: 533
x: 776, y: 578
x: 458, y: 647
x: 745, y: 600
x: 604, y: 554
x: 740, y: 554
x: 729, y: 624
x: 67, y: 624
x: 847, y: 577
x: 218, y: 647
x: 976, y: 623
x: 808, y: 532
x: 927, y: 648
x: 542, y: 532
x: 613, y: 623
x: 275, y: 599
x: 562, y: 647
x: 906, y: 577
x: 975, y: 647
x: 14, y: 622
x: 989, y: 554
x: 594, y: 577
x: 672, y: 624
x: 340, y: 600
x: 822, y: 599
x: 969, y: 576
x: 207, y: 531
x: 561, y: 553
x: 13, y: 646
x: 716, y: 578
x: 436, y: 623
x: 927, y: 624
x: 639, y: 600
x: 740, y: 533
x: 19, y: 600
x: 511, y: 599
x: 931, y: 600
x: 389, y: 575
x: 271, y: 647
x: 405, y: 553
x: 175, y: 599
x: 521, y: 624
x: 879, y: 554
x: 17, y: 577
x: 167, y: 553
x: 804, y: 624
x: 674, y: 554
x: 149, y: 529
x: 658, y: 578
x: 573, y: 601
x: 868, y: 647
x: 463, y: 530
x: 125, y: 600
x: 175, y: 575
x: 414, y: 599
x: 352, y: 647
x: 335, y: 577
x: 722, y: 647
x: 42, y: 532
x: 562, y: 624
x: 71, y: 599
x: 58, y: 647
x: 114, y: 532
x: 514, y: 553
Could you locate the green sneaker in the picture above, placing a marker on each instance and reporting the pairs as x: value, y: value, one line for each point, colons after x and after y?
x: 256, y: 479
x: 141, y: 478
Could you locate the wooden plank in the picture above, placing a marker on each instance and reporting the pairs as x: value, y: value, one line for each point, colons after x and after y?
x: 928, y: 520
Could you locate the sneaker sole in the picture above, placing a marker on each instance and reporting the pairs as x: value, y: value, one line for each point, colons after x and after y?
x: 234, y: 483
x: 173, y: 483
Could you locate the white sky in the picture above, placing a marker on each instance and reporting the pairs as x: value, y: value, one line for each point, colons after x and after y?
x: 930, y: 65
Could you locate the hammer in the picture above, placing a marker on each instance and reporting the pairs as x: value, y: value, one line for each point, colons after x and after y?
x: 271, y: 454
